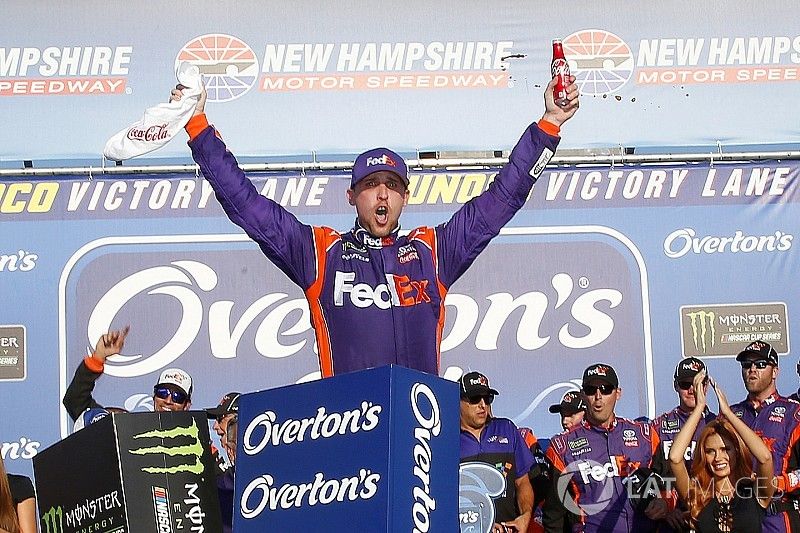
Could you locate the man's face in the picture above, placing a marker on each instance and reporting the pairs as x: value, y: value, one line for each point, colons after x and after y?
x: 379, y: 200
x: 475, y: 411
x: 758, y: 376
x: 570, y: 420
x: 221, y: 424
x: 600, y: 398
x: 228, y: 440
x: 170, y: 398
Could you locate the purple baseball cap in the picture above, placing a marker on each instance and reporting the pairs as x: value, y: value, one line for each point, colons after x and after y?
x: 377, y: 160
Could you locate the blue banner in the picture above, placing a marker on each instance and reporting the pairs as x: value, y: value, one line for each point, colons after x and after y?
x: 635, y: 266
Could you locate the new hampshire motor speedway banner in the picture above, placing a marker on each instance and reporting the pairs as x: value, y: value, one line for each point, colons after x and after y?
x: 636, y: 266
x: 315, y: 76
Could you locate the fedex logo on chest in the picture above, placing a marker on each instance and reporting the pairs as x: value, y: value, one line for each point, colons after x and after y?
x: 398, y: 291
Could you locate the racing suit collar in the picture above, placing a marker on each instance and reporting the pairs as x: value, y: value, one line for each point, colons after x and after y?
x: 366, y: 238
x: 756, y: 405
x: 609, y: 429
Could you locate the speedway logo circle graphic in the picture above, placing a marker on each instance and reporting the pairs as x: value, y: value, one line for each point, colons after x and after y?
x: 478, y: 485
x: 228, y: 64
x: 600, y: 61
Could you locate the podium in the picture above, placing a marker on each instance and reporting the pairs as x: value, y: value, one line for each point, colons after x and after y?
x: 130, y: 473
x: 375, y: 450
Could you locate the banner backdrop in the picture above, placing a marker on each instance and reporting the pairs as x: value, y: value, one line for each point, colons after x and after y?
x: 633, y: 266
x: 324, y: 77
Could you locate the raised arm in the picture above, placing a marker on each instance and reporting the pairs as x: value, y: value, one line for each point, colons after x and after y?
x: 684, y: 438
x: 478, y: 221
x: 78, y: 396
x: 761, y: 453
x: 283, y: 239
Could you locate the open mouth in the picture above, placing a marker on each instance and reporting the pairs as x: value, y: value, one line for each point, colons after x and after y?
x: 382, y: 214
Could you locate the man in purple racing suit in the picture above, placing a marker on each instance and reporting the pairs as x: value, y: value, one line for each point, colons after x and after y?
x: 377, y: 297
x: 776, y: 420
x: 591, y: 461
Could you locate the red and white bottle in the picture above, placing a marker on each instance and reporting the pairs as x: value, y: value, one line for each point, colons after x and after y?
x: 560, y: 70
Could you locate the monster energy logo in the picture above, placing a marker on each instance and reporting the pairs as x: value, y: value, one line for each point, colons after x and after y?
x: 54, y: 520
x: 195, y: 449
x: 703, y: 330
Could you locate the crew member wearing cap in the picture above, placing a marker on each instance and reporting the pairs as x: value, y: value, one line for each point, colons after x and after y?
x: 496, y: 441
x: 377, y: 296
x: 172, y: 392
x: 669, y: 424
x: 222, y: 414
x: 776, y: 420
x: 226, y: 411
x: 226, y: 415
x: 602, y: 449
x: 571, y: 408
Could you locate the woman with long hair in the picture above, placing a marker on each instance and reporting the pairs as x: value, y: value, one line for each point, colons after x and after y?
x: 723, y: 493
x: 17, y: 503
x: 8, y: 511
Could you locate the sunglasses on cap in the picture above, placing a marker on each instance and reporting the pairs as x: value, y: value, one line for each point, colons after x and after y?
x: 165, y: 392
x: 475, y: 400
x: 760, y: 364
x: 686, y: 385
x: 591, y: 390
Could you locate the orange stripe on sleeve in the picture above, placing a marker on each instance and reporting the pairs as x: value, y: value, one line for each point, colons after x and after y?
x: 549, y: 128
x: 556, y: 459
x: 93, y: 364
x: 323, y: 239
x: 196, y: 125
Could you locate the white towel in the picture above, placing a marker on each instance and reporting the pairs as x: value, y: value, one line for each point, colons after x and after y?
x: 160, y: 123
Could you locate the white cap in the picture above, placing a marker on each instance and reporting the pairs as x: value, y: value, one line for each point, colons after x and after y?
x: 177, y: 377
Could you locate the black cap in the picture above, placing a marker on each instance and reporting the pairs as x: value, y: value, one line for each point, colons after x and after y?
x: 227, y: 405
x: 474, y: 384
x: 571, y: 403
x: 761, y: 350
x: 688, y: 368
x: 602, y: 372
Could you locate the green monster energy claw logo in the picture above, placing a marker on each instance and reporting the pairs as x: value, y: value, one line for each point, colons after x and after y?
x: 54, y: 520
x: 702, y: 323
x: 194, y: 449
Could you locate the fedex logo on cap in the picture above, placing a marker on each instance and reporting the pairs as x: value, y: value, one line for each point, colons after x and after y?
x: 382, y: 160
x: 692, y: 365
x: 480, y: 380
x: 599, y: 371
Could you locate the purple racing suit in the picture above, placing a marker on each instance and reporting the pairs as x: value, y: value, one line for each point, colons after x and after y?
x: 373, y: 301
x: 589, y: 464
x: 777, y: 422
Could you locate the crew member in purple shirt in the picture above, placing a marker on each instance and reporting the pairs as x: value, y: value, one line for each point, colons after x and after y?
x: 496, y: 442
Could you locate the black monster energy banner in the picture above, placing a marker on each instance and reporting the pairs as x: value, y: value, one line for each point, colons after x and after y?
x: 134, y: 473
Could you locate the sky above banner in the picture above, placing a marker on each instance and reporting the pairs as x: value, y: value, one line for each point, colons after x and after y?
x: 451, y: 76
